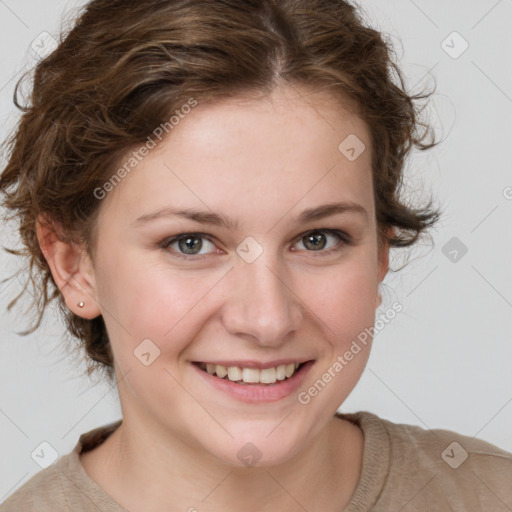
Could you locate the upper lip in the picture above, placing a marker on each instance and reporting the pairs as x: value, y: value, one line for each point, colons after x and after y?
x: 254, y: 364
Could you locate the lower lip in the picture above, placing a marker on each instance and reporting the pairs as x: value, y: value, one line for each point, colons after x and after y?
x: 258, y: 393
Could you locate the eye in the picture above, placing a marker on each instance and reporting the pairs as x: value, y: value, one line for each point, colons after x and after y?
x: 194, y: 246
x: 317, y: 240
x: 189, y: 244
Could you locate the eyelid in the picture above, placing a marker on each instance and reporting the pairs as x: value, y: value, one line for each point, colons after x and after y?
x: 345, y: 239
x: 166, y: 242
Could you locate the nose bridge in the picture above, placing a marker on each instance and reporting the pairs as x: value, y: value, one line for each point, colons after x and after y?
x: 262, y: 304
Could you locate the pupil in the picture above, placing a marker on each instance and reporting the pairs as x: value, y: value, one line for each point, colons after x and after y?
x: 315, y: 240
x: 190, y: 243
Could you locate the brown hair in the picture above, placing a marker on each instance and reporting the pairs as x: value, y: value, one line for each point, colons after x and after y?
x: 127, y: 65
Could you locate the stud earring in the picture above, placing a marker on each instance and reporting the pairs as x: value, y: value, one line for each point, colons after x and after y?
x: 81, y: 304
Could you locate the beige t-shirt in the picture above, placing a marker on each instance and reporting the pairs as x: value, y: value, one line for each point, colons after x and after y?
x: 405, y: 468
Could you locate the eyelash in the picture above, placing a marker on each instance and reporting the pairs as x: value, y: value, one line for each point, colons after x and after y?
x: 345, y: 240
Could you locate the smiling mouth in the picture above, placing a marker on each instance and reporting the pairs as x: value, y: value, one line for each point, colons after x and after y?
x: 243, y: 376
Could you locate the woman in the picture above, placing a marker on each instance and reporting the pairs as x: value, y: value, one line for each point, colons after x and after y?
x: 210, y: 191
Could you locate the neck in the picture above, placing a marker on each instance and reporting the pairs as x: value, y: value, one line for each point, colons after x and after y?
x: 146, y: 469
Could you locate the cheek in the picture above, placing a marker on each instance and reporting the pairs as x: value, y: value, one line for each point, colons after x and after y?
x: 345, y: 306
x: 345, y: 299
x: 147, y: 300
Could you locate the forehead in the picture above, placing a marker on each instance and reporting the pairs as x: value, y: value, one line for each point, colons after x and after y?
x: 251, y: 155
x: 290, y: 119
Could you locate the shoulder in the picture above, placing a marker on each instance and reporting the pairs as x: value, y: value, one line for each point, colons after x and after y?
x: 421, y: 467
x: 45, y: 491
x: 445, y: 448
x: 460, y: 469
x: 65, y: 486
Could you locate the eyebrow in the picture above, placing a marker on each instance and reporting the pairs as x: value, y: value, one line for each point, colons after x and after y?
x: 215, y: 219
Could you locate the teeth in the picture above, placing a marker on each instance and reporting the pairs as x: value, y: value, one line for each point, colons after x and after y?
x: 268, y: 376
x: 221, y: 371
x: 251, y: 375
x: 234, y: 373
x: 281, y: 372
x: 290, y: 368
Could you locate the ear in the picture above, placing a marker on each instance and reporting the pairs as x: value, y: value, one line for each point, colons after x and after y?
x: 71, y: 268
x: 383, y: 263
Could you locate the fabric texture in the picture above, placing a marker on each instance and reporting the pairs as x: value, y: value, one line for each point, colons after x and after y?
x: 405, y: 468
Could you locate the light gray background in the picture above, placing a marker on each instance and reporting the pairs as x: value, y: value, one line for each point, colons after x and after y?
x: 444, y: 362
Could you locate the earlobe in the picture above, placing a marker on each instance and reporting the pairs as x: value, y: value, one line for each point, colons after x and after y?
x: 71, y: 269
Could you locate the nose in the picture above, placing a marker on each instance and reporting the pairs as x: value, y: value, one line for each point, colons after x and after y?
x: 261, y: 304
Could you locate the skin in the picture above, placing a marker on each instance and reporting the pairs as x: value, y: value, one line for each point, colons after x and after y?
x: 260, y: 162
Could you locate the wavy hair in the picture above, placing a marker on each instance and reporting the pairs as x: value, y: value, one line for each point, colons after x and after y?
x: 125, y: 66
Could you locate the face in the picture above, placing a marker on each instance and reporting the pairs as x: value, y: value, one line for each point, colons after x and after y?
x: 255, y: 273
